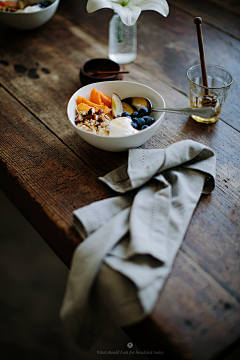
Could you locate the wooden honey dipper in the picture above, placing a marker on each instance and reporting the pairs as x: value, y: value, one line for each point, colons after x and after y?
x: 208, y: 99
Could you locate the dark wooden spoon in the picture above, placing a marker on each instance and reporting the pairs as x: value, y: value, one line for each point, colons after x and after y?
x: 112, y: 72
x: 208, y: 100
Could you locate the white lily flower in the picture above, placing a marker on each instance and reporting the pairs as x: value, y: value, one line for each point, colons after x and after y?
x: 129, y: 10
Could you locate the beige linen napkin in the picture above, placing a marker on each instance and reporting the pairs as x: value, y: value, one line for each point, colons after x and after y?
x: 131, y: 240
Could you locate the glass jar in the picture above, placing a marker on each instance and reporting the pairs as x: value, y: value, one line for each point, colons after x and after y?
x: 122, y: 42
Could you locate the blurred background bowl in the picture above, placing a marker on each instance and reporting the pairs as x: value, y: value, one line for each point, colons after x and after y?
x: 124, y: 89
x: 99, y: 65
x: 31, y: 20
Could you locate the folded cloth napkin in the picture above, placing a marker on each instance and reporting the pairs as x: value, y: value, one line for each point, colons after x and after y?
x: 131, y: 240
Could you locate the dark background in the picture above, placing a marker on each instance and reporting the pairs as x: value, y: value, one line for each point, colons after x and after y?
x: 32, y: 286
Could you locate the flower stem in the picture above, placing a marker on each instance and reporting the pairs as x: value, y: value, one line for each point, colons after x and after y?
x: 119, y: 30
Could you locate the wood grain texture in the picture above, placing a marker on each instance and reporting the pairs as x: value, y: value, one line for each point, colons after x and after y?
x: 192, y: 318
x: 218, y: 15
x: 53, y: 180
x: 167, y: 47
x: 48, y: 170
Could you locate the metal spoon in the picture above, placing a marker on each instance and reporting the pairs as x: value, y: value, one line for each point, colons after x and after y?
x: 139, y: 102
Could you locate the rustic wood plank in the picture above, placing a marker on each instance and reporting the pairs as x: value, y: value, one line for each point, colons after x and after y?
x: 53, y: 181
x: 67, y: 176
x: 221, y: 205
x: 225, y: 20
x: 176, y: 51
x: 194, y: 317
x: 55, y: 91
x: 215, y: 12
x: 232, y: 5
x: 48, y: 93
x: 198, y: 310
x: 173, y: 47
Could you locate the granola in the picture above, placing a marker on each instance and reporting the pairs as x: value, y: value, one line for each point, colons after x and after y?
x: 94, y: 121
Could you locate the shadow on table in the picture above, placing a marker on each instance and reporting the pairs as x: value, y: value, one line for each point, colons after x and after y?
x: 32, y: 282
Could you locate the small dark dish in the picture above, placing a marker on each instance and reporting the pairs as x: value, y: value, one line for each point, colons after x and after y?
x: 86, y: 72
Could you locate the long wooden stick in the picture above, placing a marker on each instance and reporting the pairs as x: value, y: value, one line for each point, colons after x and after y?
x: 198, y: 22
x: 111, y: 72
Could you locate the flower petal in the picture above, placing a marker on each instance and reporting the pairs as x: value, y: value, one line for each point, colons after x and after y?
x: 94, y: 5
x: 161, y: 6
x: 128, y: 14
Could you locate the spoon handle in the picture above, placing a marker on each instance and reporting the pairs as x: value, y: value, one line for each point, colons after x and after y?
x: 206, y: 112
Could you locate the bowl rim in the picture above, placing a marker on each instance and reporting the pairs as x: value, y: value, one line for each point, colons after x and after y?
x: 27, y: 13
x: 116, y: 137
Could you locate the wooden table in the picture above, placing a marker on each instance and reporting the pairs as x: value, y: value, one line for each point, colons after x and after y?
x: 48, y: 171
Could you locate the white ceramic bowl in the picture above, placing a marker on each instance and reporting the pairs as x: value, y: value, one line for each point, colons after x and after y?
x: 124, y: 89
x: 31, y: 20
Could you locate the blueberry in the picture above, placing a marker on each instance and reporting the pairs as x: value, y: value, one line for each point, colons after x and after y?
x: 144, y: 127
x: 140, y: 122
x: 134, y: 114
x: 135, y: 119
x: 46, y: 3
x: 134, y: 124
x: 143, y: 112
x: 43, y: 4
x: 40, y: 5
x: 149, y: 120
x: 126, y: 114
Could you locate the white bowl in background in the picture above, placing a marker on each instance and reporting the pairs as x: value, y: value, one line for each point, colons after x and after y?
x: 31, y: 20
x: 124, y: 89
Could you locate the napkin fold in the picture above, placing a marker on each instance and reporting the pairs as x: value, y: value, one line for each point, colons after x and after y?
x: 131, y: 240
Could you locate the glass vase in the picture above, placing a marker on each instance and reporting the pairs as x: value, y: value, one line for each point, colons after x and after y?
x: 122, y: 43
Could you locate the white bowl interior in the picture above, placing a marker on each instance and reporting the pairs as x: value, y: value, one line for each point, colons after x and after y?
x: 124, y: 89
x: 27, y: 21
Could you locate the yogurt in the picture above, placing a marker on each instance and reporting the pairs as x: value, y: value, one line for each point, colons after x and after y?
x: 121, y: 126
x: 33, y: 8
